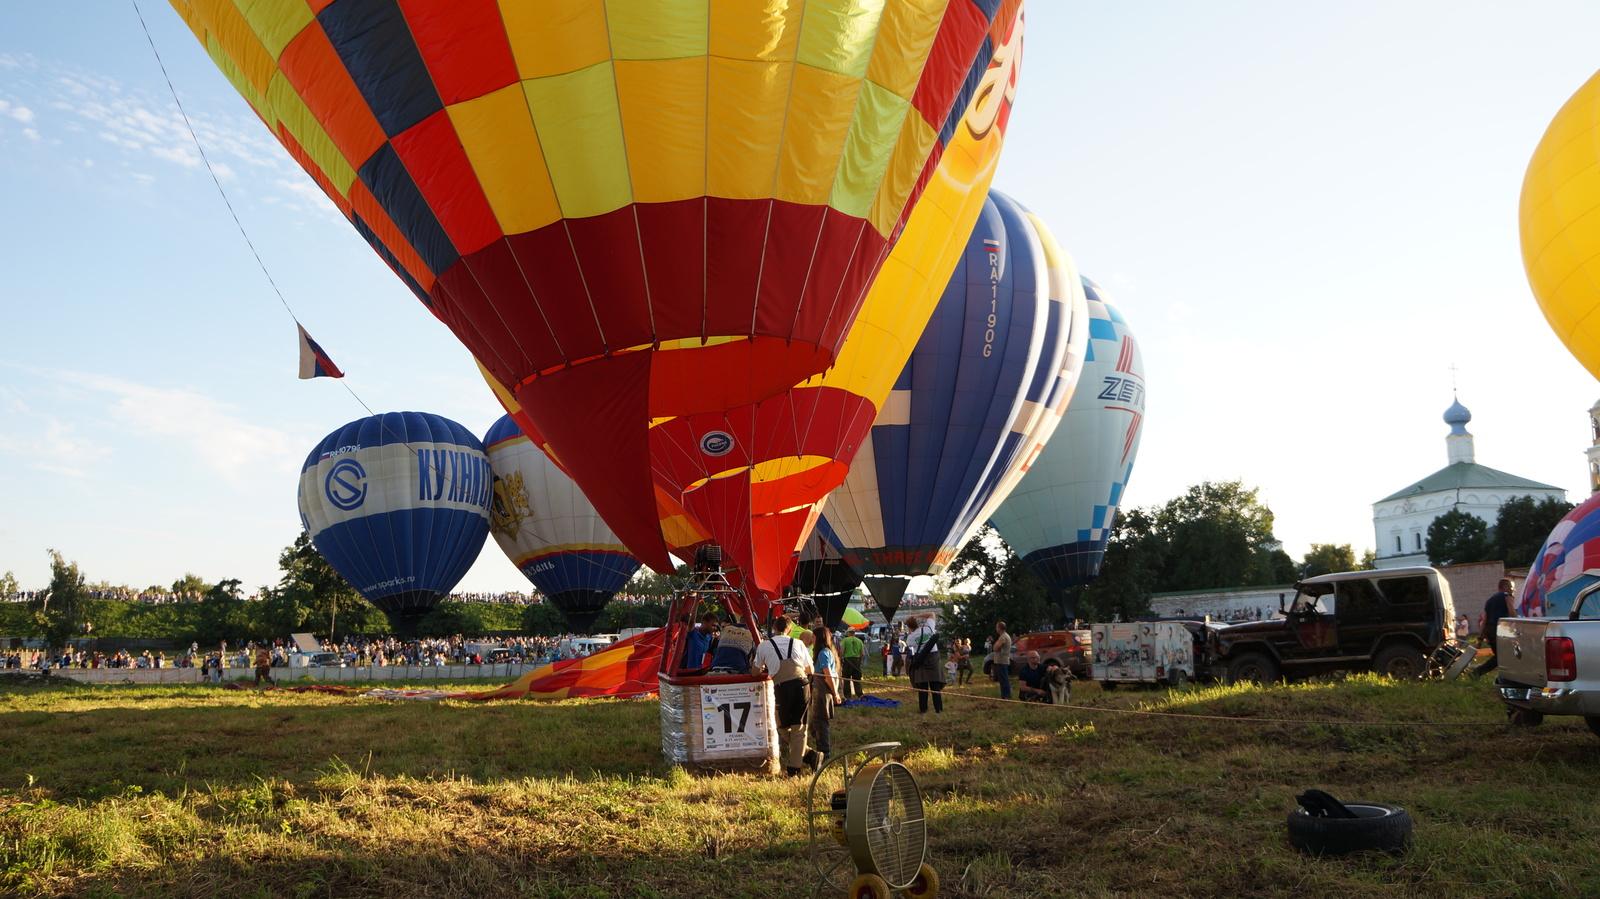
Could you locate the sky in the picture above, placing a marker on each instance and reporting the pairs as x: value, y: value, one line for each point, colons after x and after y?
x: 1308, y: 214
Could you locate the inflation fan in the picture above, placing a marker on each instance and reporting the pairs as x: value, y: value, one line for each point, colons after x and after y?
x: 868, y: 834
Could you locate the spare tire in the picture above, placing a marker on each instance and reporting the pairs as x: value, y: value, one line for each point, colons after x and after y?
x: 1386, y: 828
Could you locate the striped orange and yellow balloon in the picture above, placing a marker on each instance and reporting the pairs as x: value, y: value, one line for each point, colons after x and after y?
x: 626, y: 209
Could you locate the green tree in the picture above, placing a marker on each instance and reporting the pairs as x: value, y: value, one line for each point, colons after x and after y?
x: 1219, y: 535
x: 1458, y: 537
x: 1326, y: 558
x: 618, y: 615
x: 543, y: 620
x: 1369, y: 560
x: 191, y: 583
x: 1128, y: 573
x: 1522, y: 525
x: 646, y: 582
x: 58, y: 610
x: 312, y: 595
x: 1005, y: 591
x: 8, y: 585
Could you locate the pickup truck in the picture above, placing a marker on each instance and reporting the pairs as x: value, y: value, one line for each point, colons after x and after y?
x: 1551, y: 666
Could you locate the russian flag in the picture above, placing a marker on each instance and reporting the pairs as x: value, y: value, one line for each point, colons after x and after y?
x: 314, y: 363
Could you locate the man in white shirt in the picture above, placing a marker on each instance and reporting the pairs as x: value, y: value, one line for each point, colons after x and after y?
x: 788, y: 662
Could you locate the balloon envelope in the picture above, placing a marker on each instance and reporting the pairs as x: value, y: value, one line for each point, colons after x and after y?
x: 1557, y: 575
x: 960, y: 412
x: 550, y: 530
x: 1560, y: 224
x: 625, y: 210
x: 399, y: 505
x: 1059, y: 516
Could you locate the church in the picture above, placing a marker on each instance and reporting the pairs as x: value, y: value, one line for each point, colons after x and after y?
x: 1400, y: 520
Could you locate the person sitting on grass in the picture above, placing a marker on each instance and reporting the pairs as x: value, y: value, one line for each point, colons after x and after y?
x: 1032, y: 675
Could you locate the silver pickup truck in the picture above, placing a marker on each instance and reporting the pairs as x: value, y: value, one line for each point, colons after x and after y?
x: 1551, y: 666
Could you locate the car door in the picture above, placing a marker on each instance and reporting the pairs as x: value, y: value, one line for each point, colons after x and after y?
x: 1362, y: 616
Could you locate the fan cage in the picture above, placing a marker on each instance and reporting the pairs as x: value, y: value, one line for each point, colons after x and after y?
x: 896, y: 832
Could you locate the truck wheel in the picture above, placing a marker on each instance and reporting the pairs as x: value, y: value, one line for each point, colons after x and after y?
x: 1518, y: 717
x: 1400, y: 662
x: 1177, y: 679
x: 1254, y: 668
x: 1594, y: 724
x: 1386, y: 828
x: 1108, y: 685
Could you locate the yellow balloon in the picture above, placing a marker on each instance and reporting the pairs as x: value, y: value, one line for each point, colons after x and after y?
x: 1560, y: 224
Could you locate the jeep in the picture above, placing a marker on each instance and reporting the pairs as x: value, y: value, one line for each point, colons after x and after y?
x: 1389, y: 621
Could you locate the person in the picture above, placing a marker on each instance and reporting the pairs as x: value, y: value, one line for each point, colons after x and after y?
x: 924, y: 664
x: 850, y: 651
x: 1002, y: 659
x: 897, y: 656
x: 963, y: 654
x: 1462, y: 628
x: 788, y: 662
x: 699, y: 647
x: 264, y: 665
x: 824, y: 694
x: 1497, y: 607
x: 732, y: 655
x: 1032, y: 675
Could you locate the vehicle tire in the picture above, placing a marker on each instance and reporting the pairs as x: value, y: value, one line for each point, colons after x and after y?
x: 925, y: 885
x: 1108, y: 686
x: 1594, y: 724
x: 988, y: 668
x: 868, y: 886
x: 1254, y: 667
x: 1177, y: 679
x: 1386, y: 828
x: 1400, y: 662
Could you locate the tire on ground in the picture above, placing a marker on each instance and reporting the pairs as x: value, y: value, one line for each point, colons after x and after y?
x: 1385, y: 828
x: 1401, y: 662
x: 1254, y: 667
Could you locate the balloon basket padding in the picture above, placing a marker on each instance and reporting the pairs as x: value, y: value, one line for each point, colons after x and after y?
x: 684, y: 722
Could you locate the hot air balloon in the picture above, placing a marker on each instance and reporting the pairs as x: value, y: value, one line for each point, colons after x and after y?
x: 822, y: 573
x: 965, y: 409
x: 550, y: 530
x: 1059, y: 516
x: 625, y: 210
x: 754, y: 476
x: 399, y: 505
x: 1560, y: 224
x: 1557, y: 575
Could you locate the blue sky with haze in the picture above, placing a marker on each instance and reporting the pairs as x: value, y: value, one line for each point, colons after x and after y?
x: 1308, y: 214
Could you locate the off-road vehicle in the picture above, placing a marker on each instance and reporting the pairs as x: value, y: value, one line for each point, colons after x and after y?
x: 1390, y: 621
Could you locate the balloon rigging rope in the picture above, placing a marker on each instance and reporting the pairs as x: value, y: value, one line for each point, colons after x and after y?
x: 240, y: 225
x: 222, y: 193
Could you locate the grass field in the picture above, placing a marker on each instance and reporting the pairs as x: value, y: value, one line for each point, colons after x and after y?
x: 199, y: 791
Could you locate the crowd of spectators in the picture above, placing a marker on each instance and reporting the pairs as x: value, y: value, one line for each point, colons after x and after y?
x: 355, y: 652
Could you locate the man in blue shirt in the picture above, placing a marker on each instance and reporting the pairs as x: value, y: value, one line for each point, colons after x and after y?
x: 1032, y: 678
x: 694, y: 657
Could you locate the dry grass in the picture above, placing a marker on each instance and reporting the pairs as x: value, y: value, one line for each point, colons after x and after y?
x: 195, y: 791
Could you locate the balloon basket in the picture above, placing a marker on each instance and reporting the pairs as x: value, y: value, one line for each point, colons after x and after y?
x: 719, y: 725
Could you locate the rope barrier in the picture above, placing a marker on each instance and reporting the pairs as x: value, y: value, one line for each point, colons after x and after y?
x: 1305, y: 722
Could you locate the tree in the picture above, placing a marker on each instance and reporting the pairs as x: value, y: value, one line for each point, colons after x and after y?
x: 1006, y: 591
x: 1219, y: 535
x: 618, y: 615
x: 1128, y: 573
x: 1458, y: 537
x: 648, y: 583
x: 8, y: 585
x: 191, y: 583
x: 58, y: 610
x: 543, y: 620
x: 1522, y: 526
x: 311, y: 594
x: 1326, y: 558
x: 227, y: 589
x: 1369, y: 560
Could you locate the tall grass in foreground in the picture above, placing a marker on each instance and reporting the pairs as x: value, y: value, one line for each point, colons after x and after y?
x: 196, y: 791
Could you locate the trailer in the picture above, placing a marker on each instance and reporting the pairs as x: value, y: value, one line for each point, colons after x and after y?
x: 1141, y: 652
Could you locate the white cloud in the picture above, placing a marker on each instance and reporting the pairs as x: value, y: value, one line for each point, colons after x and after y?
x: 57, y: 469
x: 227, y: 442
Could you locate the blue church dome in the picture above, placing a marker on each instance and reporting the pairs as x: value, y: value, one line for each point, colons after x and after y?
x: 1457, y: 417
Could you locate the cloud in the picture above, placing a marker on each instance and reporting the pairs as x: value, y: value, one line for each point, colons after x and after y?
x: 227, y: 442
x: 222, y: 439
